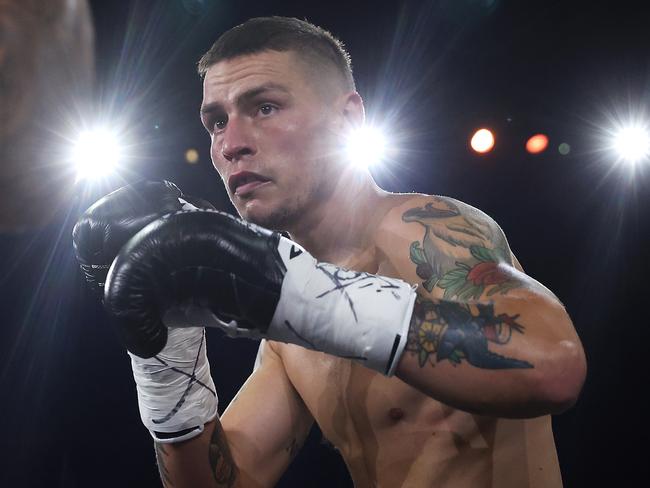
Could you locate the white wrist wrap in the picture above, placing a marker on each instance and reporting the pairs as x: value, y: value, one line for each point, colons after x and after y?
x: 345, y: 313
x: 176, y: 393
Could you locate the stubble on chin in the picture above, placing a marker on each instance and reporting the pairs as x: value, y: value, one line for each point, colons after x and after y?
x: 287, y: 213
x: 263, y: 215
x: 292, y: 209
x: 277, y: 219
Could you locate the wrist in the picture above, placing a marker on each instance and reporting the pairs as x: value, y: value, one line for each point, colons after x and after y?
x: 350, y: 314
x: 176, y: 394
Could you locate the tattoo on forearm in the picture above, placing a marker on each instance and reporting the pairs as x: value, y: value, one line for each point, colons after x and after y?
x: 221, y: 461
x: 445, y: 330
x: 161, y: 455
x: 465, y: 279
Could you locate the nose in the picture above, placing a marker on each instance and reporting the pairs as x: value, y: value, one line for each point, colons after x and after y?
x: 237, y: 141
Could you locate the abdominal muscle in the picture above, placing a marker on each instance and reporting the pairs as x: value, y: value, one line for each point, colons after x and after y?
x: 391, y: 435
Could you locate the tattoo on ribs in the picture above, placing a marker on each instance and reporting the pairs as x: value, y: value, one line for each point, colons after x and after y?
x: 221, y: 462
x: 445, y: 226
x: 161, y: 454
x: 451, y: 331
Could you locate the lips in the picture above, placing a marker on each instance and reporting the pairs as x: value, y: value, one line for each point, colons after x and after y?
x: 245, y: 182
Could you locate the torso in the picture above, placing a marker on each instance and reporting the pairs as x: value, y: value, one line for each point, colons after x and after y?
x: 391, y: 435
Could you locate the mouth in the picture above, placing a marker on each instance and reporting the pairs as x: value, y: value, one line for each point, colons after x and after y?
x: 245, y: 182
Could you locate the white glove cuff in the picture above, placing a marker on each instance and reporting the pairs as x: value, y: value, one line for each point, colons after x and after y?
x: 176, y: 394
x: 346, y: 313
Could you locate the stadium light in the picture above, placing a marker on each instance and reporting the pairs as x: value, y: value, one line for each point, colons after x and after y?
x: 366, y: 146
x: 632, y: 143
x: 96, y: 154
x: 482, y: 141
x: 537, y: 143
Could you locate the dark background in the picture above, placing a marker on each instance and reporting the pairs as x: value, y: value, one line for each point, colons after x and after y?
x: 433, y: 72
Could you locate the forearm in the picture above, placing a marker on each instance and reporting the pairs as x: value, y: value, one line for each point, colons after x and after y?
x: 202, y: 462
x: 242, y: 449
x: 514, y: 356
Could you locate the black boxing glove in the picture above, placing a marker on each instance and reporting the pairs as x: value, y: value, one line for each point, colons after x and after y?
x: 207, y: 268
x: 176, y: 394
x: 111, y: 221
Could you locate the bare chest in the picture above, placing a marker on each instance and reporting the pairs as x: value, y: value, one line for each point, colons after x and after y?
x: 356, y: 406
x: 390, y: 434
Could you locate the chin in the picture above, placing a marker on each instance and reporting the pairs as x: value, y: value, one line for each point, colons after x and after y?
x: 264, y: 216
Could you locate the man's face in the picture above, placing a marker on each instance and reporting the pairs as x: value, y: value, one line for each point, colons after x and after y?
x: 273, y: 136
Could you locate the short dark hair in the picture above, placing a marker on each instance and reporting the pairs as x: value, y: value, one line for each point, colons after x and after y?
x: 281, y: 34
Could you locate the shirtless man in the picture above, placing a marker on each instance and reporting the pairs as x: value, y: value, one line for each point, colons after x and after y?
x: 461, y: 398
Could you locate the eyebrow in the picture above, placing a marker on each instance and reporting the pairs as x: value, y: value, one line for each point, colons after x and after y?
x: 245, y: 96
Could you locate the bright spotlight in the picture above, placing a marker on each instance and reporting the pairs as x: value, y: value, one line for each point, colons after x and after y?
x: 96, y: 154
x: 482, y: 141
x: 366, y: 146
x: 632, y: 143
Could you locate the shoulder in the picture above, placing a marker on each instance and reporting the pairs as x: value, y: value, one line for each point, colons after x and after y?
x: 448, y: 220
x: 442, y: 243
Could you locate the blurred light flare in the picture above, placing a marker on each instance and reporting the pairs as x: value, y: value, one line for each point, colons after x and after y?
x: 366, y: 146
x: 192, y: 156
x: 537, y: 143
x: 96, y: 154
x: 621, y: 141
x: 632, y: 143
x: 482, y: 141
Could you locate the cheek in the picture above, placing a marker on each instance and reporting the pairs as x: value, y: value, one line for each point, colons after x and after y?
x: 214, y: 153
x: 303, y: 142
x: 217, y: 162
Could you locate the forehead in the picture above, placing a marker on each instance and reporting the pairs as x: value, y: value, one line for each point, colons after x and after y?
x: 228, y: 78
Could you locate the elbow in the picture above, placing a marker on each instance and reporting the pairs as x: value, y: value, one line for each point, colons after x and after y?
x: 561, y: 385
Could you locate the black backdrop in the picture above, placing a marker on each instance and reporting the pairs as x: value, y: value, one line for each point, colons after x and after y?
x: 435, y: 71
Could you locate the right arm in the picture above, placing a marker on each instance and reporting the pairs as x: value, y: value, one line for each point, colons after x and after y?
x: 269, y: 420
x: 252, y: 445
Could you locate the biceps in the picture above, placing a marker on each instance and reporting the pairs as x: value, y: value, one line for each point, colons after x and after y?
x: 267, y: 422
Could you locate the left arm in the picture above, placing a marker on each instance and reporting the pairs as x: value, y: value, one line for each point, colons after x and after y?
x: 484, y: 337
x: 478, y: 335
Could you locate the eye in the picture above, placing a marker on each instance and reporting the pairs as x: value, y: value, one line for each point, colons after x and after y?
x: 219, y: 123
x: 267, y: 109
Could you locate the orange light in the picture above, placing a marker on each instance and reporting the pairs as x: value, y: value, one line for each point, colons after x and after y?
x: 537, y: 143
x: 192, y: 156
x: 482, y: 141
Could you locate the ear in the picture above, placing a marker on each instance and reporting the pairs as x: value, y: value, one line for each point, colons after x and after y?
x: 353, y: 111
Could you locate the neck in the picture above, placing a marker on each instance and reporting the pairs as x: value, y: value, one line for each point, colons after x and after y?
x: 343, y: 224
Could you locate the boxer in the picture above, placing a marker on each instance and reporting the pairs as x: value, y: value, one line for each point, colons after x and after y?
x: 401, y: 323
